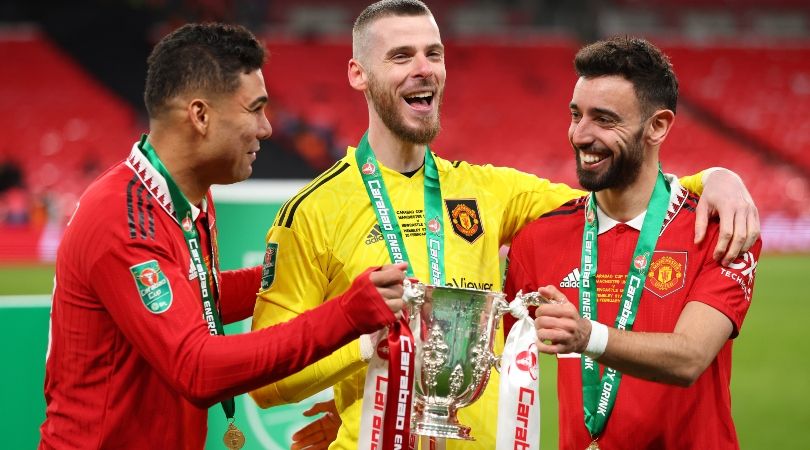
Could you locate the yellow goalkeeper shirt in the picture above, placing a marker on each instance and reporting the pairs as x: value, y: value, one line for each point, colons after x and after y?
x: 328, y: 234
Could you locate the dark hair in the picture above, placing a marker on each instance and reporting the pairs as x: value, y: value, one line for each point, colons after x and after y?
x: 383, y: 8
x: 207, y: 57
x: 639, y: 62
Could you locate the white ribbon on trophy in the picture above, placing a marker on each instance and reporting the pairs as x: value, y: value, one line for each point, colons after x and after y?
x: 519, y: 399
x: 374, y: 392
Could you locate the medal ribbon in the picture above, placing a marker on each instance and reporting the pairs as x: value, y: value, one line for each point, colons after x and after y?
x: 387, y: 217
x: 182, y: 213
x: 598, y: 397
x: 401, y: 342
x: 399, y: 392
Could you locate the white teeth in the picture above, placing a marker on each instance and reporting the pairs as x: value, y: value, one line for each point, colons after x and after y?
x: 420, y: 95
x: 590, y: 158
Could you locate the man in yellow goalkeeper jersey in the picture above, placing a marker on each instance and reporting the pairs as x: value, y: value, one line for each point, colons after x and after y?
x: 342, y: 222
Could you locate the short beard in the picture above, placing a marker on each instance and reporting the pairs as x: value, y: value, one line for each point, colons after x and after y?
x: 386, y: 106
x: 622, y: 173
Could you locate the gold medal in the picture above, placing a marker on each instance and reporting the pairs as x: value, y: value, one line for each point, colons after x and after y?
x: 593, y: 445
x: 233, y: 439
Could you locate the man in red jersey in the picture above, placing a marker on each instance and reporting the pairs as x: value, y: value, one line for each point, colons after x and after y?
x: 627, y: 254
x: 137, y: 354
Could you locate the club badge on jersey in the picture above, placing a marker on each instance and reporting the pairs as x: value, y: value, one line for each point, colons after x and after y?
x: 466, y: 218
x: 667, y: 272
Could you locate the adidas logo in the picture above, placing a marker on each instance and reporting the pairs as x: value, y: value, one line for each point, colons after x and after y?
x: 192, y: 271
x: 375, y: 235
x: 571, y: 280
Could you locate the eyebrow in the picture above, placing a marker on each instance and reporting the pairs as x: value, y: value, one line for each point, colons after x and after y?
x: 259, y: 101
x: 603, y: 111
x: 606, y: 112
x: 438, y: 46
x: 411, y: 49
x: 400, y: 49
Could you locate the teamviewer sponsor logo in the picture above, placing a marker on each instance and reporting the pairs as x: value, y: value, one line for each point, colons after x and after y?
x: 571, y: 280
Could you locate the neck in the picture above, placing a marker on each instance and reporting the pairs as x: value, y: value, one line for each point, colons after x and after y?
x: 624, y: 204
x: 394, y: 153
x: 177, y: 155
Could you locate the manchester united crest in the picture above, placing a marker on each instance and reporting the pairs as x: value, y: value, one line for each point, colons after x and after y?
x: 466, y: 218
x: 667, y: 273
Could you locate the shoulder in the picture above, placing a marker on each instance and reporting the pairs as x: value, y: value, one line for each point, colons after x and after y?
x: 501, y: 182
x: 568, y: 216
x: 325, y: 190
x: 487, y: 170
x: 565, y: 212
x: 682, y: 209
x: 105, y: 202
x: 116, y: 209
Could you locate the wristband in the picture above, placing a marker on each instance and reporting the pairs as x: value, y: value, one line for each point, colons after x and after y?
x: 366, y: 347
x: 597, y: 342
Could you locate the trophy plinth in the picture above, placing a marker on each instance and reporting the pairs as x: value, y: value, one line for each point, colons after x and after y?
x: 438, y: 421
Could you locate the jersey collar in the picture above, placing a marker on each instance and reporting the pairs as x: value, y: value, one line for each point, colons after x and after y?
x: 415, y: 175
x: 676, y: 198
x: 155, y: 183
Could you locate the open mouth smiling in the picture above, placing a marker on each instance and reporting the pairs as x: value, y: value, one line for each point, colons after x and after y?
x: 590, y: 159
x: 420, y: 101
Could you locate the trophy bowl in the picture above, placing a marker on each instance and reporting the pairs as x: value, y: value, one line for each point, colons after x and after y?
x: 455, y: 331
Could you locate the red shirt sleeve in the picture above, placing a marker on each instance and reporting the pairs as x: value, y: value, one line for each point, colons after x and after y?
x: 204, y: 368
x: 517, y: 277
x: 727, y: 289
x: 238, y: 295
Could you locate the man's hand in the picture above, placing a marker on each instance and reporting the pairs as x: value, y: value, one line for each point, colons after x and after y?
x: 559, y: 327
x: 388, y: 281
x: 725, y: 196
x: 318, y: 434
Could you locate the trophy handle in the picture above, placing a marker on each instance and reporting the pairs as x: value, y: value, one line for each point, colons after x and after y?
x: 496, y: 362
x: 525, y: 300
x: 517, y: 308
x: 414, y: 297
x: 534, y: 299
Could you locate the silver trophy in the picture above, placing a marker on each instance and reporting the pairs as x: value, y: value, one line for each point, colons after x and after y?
x: 456, y: 328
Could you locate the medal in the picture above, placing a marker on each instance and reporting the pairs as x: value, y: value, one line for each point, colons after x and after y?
x: 593, y: 445
x: 233, y: 439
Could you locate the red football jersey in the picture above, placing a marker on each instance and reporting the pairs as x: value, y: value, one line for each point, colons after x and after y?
x: 646, y: 415
x: 131, y: 363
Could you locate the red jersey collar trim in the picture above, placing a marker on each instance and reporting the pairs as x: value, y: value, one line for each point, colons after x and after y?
x: 155, y: 183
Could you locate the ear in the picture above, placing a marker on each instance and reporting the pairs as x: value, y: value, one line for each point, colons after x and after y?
x: 358, y: 79
x: 660, y: 124
x: 199, y: 113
